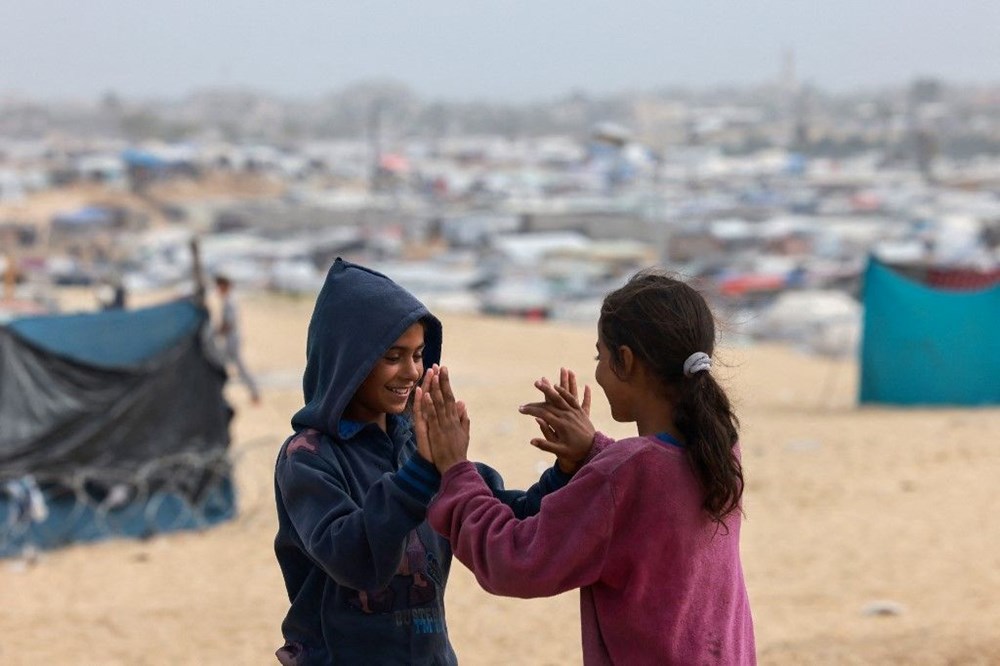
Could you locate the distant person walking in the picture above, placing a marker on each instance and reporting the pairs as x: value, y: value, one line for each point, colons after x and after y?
x: 228, y: 331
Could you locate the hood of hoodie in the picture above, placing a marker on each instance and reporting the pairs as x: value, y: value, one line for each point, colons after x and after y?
x: 359, y: 314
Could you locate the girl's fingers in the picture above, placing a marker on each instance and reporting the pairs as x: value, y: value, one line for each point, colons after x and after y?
x: 568, y: 397
x: 547, y: 446
x: 551, y: 393
x: 547, y: 431
x: 586, y: 400
x: 540, y: 410
x: 571, y: 382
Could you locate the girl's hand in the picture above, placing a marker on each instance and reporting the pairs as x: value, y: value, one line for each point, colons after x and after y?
x: 420, y: 418
x: 564, y: 421
x: 447, y: 422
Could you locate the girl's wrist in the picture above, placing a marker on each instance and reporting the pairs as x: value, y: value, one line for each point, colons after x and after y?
x: 568, y: 467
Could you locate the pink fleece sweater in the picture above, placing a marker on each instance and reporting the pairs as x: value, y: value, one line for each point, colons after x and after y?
x: 659, y: 583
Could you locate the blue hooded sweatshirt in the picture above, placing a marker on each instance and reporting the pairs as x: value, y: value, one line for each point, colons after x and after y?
x: 365, y: 573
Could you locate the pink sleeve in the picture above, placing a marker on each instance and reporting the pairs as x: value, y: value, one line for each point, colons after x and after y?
x: 601, y: 442
x: 561, y: 548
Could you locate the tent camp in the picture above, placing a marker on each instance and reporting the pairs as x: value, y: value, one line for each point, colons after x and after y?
x: 924, y: 345
x: 111, y: 424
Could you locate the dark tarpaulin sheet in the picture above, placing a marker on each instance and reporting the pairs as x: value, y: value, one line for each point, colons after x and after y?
x: 105, y: 397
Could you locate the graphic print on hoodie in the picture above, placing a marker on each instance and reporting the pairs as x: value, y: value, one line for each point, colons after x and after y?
x: 364, y: 572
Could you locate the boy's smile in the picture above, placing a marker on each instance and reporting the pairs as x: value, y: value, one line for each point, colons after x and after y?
x: 390, y: 383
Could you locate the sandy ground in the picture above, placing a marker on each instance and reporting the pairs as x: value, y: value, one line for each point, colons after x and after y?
x: 845, y: 506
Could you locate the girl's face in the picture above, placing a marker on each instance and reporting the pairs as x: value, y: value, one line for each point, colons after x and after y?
x: 388, y: 386
x: 614, y: 388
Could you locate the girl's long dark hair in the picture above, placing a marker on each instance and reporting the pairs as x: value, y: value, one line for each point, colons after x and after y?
x: 663, y: 321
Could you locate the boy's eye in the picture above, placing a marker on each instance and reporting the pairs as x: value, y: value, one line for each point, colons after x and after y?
x: 396, y: 358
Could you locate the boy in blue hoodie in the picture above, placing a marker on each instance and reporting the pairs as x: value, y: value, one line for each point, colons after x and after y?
x: 365, y: 573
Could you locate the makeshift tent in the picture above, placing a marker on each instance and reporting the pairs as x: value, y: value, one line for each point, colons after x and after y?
x: 111, y: 424
x: 923, y: 345
x: 88, y: 218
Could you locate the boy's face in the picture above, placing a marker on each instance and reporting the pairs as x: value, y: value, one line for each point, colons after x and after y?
x: 388, y: 386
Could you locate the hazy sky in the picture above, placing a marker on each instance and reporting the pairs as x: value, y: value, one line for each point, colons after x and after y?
x: 475, y: 49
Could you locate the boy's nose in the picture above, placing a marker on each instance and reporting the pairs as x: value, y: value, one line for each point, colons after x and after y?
x: 413, y: 369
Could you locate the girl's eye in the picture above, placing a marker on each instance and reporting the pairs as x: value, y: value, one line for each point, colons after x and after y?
x: 597, y: 358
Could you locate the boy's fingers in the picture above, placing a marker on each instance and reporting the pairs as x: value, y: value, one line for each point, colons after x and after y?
x: 418, y: 410
x: 426, y: 382
x: 443, y: 402
x: 463, y: 416
x: 430, y: 412
x: 446, y: 384
x: 435, y: 388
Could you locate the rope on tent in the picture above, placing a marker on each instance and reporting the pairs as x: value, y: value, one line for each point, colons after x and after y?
x: 187, y: 490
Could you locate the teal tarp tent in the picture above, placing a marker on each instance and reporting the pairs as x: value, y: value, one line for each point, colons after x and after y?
x: 927, y: 346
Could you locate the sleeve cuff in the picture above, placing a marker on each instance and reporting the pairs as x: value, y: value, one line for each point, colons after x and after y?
x: 558, y: 477
x: 459, y: 469
x: 419, y: 478
x: 601, y: 441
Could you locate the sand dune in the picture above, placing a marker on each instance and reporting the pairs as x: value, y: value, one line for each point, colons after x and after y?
x: 845, y: 506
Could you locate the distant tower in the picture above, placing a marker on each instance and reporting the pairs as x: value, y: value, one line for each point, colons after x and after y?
x: 375, y: 112
x: 789, y: 82
x: 791, y: 103
x: 924, y: 93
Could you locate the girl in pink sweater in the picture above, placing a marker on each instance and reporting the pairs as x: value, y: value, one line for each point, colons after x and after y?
x: 648, y: 527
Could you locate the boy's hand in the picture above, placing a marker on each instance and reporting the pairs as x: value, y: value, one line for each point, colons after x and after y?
x: 564, y: 421
x: 420, y: 419
x: 447, y: 422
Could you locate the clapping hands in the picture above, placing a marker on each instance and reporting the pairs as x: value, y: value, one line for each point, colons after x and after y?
x: 564, y: 421
x: 441, y: 423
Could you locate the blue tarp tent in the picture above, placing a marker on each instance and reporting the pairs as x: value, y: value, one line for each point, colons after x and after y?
x: 927, y: 346
x: 86, y: 219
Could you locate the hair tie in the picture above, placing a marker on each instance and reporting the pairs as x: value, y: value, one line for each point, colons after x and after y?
x: 697, y: 362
